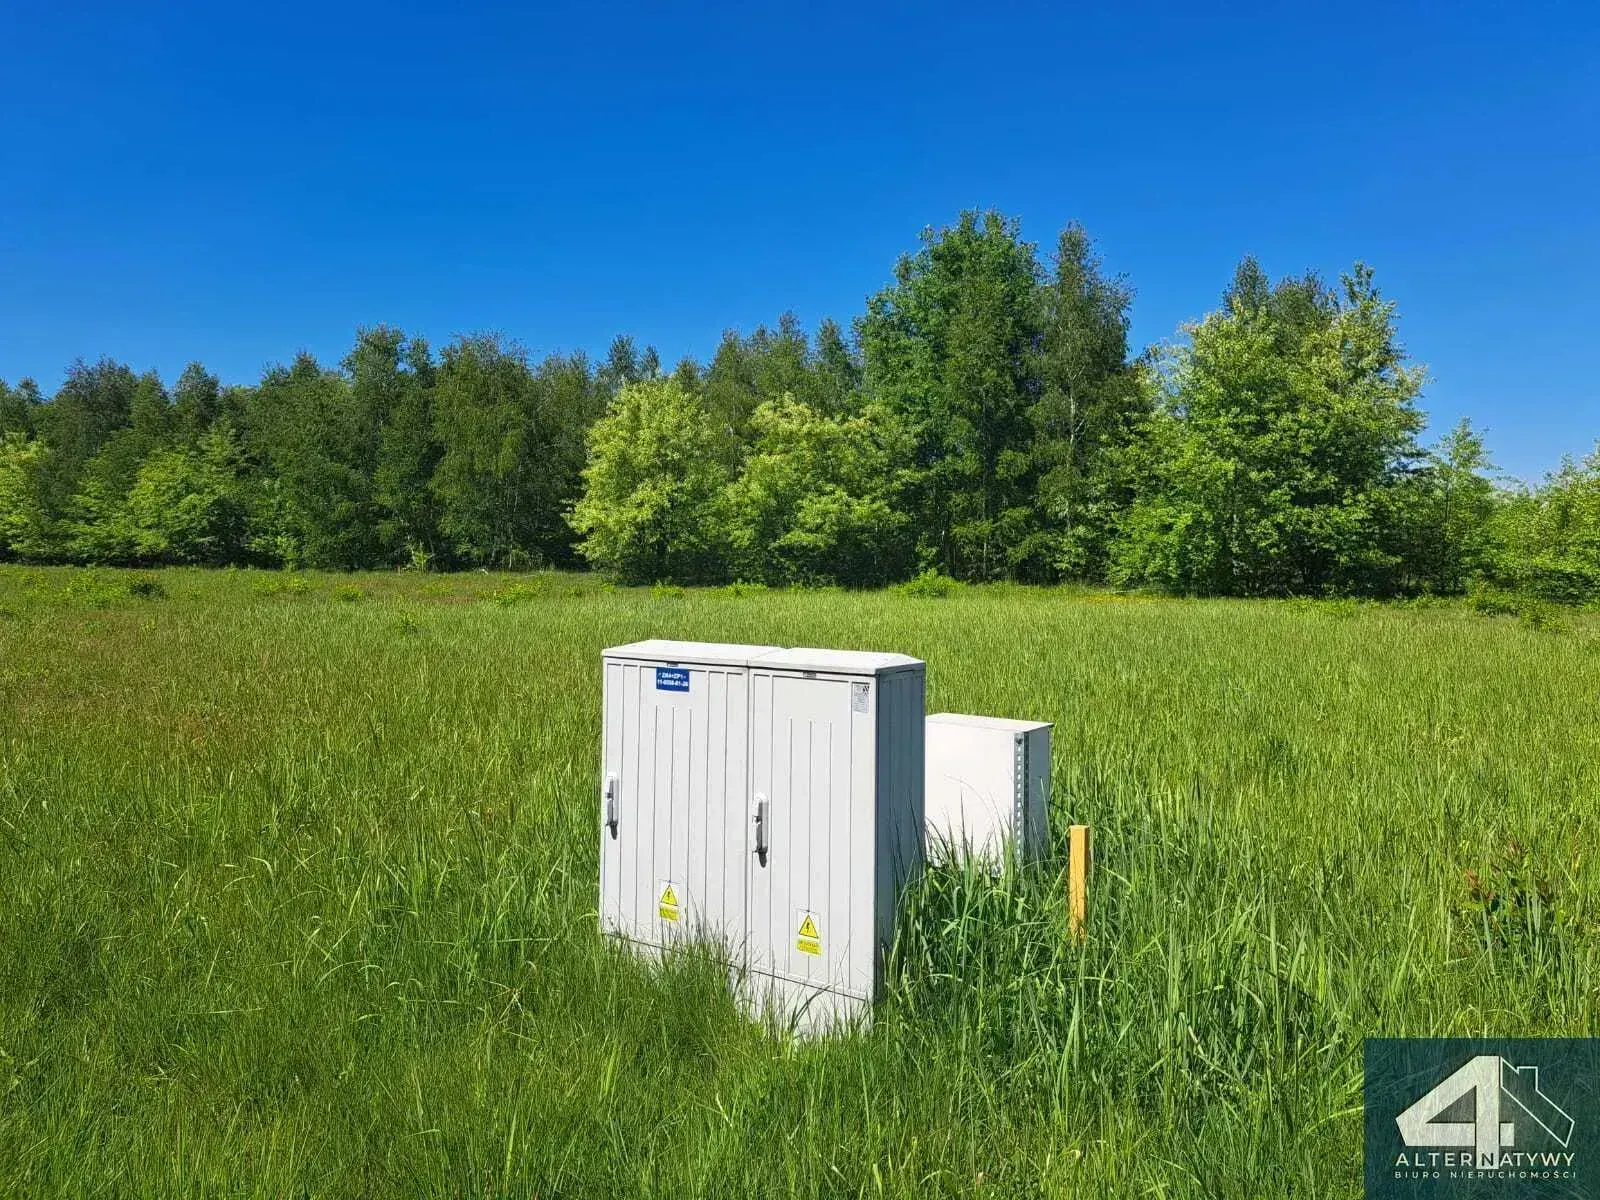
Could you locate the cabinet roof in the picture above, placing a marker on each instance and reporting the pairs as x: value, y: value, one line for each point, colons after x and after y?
x: 662, y: 650
x: 844, y: 662
x: 799, y: 658
x: 971, y: 721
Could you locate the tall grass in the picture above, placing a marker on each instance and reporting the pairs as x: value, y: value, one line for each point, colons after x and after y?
x: 297, y: 896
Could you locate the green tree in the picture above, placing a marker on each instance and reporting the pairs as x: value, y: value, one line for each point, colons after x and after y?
x: 621, y: 366
x: 769, y: 364
x: 92, y: 404
x: 651, y: 505
x: 572, y: 403
x: 1089, y: 406
x: 837, y: 369
x: 512, y: 449
x: 950, y: 349
x: 731, y: 389
x: 649, y: 363
x: 25, y: 526
x: 390, y: 389
x: 150, y: 415
x: 197, y: 402
x: 1274, y: 460
x: 688, y: 375
x: 1444, y: 513
x: 186, y: 506
x: 18, y: 407
x: 273, y: 525
x: 1546, y: 541
x: 408, y: 456
x: 816, y: 501
x: 781, y: 361
x: 238, y: 404
x: 308, y: 432
x: 93, y: 516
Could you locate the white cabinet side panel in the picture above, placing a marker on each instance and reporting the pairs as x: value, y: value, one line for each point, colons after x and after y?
x: 861, y: 844
x: 901, y: 813
x: 1038, y: 791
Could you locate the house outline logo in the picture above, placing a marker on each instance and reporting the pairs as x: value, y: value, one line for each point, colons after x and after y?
x: 1505, y: 1097
x: 1514, y: 1118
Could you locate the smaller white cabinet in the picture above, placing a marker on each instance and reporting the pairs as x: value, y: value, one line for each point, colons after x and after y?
x: 766, y: 800
x: 988, y: 789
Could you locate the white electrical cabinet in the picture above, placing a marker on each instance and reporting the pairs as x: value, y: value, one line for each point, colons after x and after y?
x: 767, y: 800
x: 988, y: 788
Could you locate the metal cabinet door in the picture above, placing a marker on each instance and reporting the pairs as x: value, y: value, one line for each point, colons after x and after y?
x: 672, y: 804
x: 811, y: 869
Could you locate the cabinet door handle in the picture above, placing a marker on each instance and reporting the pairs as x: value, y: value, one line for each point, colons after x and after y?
x: 761, y: 828
x: 613, y: 786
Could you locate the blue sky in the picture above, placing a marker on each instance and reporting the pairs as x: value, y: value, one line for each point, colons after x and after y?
x: 235, y: 184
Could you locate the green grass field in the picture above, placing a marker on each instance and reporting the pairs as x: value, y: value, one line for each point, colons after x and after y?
x: 298, y: 874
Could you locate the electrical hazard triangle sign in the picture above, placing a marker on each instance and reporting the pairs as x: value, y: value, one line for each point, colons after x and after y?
x: 809, y: 939
x: 668, y: 907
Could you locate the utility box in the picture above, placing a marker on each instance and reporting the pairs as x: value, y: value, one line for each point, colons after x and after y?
x: 988, y: 789
x: 769, y: 801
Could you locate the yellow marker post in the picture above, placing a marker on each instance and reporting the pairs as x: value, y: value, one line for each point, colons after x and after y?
x: 1078, y: 881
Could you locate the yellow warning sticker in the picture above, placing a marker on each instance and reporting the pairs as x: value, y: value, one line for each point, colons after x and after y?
x: 669, y: 907
x: 809, y: 939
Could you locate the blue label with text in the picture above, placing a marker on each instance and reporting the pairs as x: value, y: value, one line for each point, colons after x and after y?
x: 672, y: 679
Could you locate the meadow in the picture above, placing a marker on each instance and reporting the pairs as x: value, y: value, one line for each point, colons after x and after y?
x: 298, y: 875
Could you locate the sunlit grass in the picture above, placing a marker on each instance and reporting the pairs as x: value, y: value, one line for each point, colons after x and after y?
x: 297, y: 890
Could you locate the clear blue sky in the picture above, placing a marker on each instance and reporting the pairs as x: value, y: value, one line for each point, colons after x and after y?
x: 234, y: 184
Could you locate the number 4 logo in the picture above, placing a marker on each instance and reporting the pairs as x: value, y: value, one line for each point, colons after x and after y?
x: 1499, y: 1090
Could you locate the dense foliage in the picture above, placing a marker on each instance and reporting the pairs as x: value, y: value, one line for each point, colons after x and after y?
x: 987, y: 420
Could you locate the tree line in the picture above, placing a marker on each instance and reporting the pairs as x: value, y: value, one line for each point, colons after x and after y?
x: 985, y: 418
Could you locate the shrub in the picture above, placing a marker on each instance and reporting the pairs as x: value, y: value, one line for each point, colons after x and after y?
x: 739, y: 589
x: 287, y: 584
x: 1533, y: 610
x: 1517, y: 900
x: 93, y: 589
x: 520, y: 592
x: 930, y: 585
x: 1540, y: 614
x: 1492, y: 601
